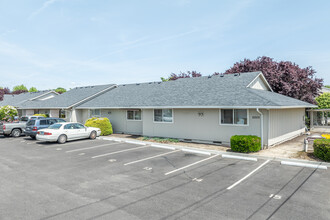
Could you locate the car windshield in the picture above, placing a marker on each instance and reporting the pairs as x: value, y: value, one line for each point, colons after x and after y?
x: 55, y: 126
x: 31, y: 122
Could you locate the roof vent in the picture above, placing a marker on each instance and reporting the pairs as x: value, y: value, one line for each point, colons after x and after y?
x: 236, y: 74
x: 222, y: 75
x: 209, y: 77
x: 159, y: 82
x: 137, y: 84
x: 124, y: 85
x: 150, y: 83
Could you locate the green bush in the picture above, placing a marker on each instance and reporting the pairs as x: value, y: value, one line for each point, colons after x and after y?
x: 245, y: 143
x: 101, y: 123
x: 42, y: 115
x: 322, y: 149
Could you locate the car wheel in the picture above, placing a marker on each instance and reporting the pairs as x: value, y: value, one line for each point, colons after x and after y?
x: 16, y: 133
x: 62, y: 139
x: 92, y: 135
x: 32, y: 136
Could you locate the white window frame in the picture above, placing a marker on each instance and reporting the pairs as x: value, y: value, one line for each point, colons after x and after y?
x: 133, y: 115
x: 166, y: 122
x: 241, y: 125
x: 91, y: 113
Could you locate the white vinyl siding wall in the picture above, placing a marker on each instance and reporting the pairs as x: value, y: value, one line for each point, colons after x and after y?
x: 285, y: 124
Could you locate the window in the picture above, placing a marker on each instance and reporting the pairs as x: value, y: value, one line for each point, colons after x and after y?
x: 79, y: 126
x: 95, y: 112
x: 62, y: 114
x: 134, y: 115
x: 234, y: 116
x: 44, y: 122
x: 68, y: 126
x: 163, y: 115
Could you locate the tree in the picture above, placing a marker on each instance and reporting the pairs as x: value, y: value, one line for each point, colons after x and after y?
x: 327, y: 86
x: 284, y: 77
x: 175, y: 76
x: 33, y: 89
x: 60, y: 90
x: 2, y: 92
x: 323, y: 101
x: 20, y: 88
x: 7, y: 113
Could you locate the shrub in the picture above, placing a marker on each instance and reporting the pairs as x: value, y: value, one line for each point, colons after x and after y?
x: 322, y: 149
x: 7, y: 113
x: 326, y: 136
x: 101, y: 123
x: 245, y: 143
x: 43, y: 115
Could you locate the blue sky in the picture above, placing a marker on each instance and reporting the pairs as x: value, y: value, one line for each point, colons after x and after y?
x: 73, y: 43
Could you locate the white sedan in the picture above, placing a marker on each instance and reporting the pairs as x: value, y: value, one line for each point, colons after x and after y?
x: 67, y: 131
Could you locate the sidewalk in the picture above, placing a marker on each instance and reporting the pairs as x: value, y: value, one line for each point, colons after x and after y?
x: 292, y: 149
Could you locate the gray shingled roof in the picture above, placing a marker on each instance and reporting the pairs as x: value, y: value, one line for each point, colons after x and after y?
x: 66, y: 99
x: 216, y: 91
x: 17, y: 100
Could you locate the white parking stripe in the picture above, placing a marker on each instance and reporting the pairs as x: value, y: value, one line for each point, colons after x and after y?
x: 148, y: 158
x: 200, y: 161
x: 87, y: 148
x: 66, y: 144
x: 252, y: 172
x: 117, y: 152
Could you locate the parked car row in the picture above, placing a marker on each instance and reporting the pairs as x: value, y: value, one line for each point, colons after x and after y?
x: 48, y: 129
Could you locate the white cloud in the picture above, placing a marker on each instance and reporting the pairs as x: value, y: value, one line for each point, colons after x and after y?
x: 42, y: 8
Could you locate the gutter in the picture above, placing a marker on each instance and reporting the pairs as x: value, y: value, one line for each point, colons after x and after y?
x: 195, y: 107
x: 261, y: 128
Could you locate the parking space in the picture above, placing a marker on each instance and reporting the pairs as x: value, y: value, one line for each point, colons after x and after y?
x: 102, y: 179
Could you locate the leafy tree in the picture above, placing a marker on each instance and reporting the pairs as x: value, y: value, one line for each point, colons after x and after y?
x: 323, y: 101
x: 33, y: 89
x: 60, y: 90
x: 20, y: 88
x: 7, y: 113
x: 2, y: 92
x: 19, y: 92
x: 175, y: 76
x: 284, y: 77
x: 327, y: 87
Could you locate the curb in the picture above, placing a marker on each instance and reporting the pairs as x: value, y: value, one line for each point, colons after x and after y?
x: 241, y: 156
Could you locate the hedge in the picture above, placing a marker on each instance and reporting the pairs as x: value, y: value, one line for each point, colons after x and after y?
x: 101, y: 123
x: 245, y: 143
x: 322, y: 149
x: 42, y: 115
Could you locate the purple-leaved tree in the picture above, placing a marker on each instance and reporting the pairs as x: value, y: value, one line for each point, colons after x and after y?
x: 175, y: 76
x: 284, y: 77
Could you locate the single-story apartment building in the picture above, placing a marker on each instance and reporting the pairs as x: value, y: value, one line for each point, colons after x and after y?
x: 19, y: 100
x: 207, y: 109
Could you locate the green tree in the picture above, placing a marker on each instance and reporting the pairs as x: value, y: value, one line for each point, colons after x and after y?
x: 33, y: 89
x: 323, y: 101
x: 327, y: 87
x: 20, y: 88
x: 60, y: 90
x: 7, y: 113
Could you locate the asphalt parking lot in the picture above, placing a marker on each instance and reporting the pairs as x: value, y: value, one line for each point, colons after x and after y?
x: 102, y: 179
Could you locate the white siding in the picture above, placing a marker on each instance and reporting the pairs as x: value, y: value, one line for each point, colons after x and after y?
x: 259, y: 84
x: 189, y: 124
x: 285, y: 124
x: 119, y: 122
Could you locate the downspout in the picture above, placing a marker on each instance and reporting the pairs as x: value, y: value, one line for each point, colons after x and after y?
x: 261, y: 128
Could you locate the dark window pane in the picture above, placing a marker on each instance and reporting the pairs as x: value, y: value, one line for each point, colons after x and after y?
x: 226, y: 116
x: 157, y: 115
